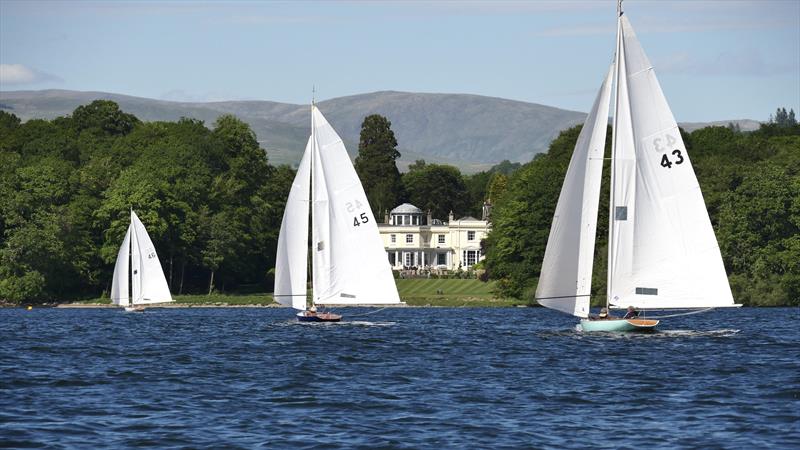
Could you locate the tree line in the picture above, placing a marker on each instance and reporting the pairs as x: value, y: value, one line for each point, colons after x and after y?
x: 213, y: 204
x: 209, y: 198
x: 751, y: 186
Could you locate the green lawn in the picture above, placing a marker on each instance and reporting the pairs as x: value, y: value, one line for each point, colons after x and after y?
x: 450, y: 292
x: 415, y: 292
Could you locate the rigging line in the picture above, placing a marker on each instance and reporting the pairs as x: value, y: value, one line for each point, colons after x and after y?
x: 562, y: 296
x: 682, y: 314
x: 369, y: 313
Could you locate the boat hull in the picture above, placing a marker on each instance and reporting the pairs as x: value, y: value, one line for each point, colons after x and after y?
x: 320, y: 317
x: 137, y: 308
x: 626, y: 325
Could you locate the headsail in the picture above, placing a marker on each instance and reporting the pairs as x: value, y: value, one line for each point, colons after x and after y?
x: 291, y: 270
x: 120, y: 283
x: 350, y: 263
x: 665, y: 254
x: 565, y: 281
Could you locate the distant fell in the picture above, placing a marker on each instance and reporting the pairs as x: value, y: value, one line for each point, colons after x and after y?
x: 471, y: 132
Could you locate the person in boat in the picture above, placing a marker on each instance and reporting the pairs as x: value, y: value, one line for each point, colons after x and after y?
x: 632, y: 313
x: 603, y: 314
x: 312, y: 311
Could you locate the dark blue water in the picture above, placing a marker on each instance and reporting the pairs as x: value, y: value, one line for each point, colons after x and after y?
x: 400, y: 378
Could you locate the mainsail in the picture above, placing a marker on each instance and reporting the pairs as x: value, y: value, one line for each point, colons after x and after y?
x: 349, y: 263
x: 137, y: 263
x: 565, y: 281
x: 664, y: 252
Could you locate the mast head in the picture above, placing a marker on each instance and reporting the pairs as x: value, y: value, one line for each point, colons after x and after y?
x: 619, y: 8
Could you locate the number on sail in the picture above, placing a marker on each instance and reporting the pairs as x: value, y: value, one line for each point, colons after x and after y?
x: 678, y: 154
x: 364, y: 219
x: 665, y: 162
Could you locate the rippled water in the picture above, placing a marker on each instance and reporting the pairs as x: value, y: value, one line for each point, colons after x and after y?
x: 399, y: 378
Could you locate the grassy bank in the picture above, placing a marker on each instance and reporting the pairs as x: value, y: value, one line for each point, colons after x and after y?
x: 445, y: 292
x: 415, y: 292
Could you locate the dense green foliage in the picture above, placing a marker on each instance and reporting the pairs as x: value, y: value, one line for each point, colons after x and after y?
x: 209, y: 199
x: 376, y: 167
x: 436, y: 188
x: 751, y: 186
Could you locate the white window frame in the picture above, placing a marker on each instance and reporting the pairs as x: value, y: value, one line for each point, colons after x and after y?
x: 409, y: 239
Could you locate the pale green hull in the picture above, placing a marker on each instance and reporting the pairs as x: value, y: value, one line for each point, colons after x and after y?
x: 618, y: 325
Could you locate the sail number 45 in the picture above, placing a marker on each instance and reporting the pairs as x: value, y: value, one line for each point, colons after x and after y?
x: 353, y: 206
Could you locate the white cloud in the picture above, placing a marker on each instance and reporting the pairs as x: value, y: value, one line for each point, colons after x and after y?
x: 14, y: 74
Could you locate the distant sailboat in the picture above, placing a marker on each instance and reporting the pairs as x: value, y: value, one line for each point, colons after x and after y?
x: 662, y: 250
x: 349, y: 263
x: 138, y: 278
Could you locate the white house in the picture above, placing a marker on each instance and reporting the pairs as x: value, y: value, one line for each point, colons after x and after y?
x: 413, y: 239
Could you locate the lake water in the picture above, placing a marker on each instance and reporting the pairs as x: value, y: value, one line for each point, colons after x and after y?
x: 397, y: 378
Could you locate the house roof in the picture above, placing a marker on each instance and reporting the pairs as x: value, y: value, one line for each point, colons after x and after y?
x: 406, y: 208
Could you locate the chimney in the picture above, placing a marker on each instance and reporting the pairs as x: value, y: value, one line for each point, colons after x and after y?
x: 430, y: 219
x: 450, y: 217
x: 386, y: 216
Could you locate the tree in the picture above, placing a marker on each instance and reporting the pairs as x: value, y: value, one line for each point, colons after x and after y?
x: 376, y: 164
x: 437, y: 188
x: 103, y: 116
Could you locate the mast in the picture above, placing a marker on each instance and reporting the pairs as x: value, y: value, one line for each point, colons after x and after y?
x: 611, y: 206
x: 311, y: 192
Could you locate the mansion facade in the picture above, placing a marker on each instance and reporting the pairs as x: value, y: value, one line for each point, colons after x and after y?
x: 414, y: 239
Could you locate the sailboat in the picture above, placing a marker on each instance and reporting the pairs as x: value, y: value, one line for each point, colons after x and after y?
x: 662, y: 250
x: 349, y: 264
x: 138, y: 278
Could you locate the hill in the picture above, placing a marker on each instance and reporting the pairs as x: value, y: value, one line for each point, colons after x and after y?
x: 471, y: 132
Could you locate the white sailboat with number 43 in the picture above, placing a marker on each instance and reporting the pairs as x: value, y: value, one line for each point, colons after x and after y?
x: 349, y: 264
x: 138, y: 277
x: 662, y: 250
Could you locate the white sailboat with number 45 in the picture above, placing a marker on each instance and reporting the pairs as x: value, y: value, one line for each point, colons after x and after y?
x: 662, y: 250
x: 349, y: 264
x: 138, y: 277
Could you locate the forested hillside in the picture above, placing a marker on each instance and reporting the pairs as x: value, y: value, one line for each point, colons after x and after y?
x: 751, y: 185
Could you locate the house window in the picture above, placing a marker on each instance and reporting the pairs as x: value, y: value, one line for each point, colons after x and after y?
x: 472, y: 257
x: 409, y: 239
x: 409, y: 257
x: 441, y: 259
x: 441, y: 239
x: 391, y: 258
x: 470, y: 235
x: 393, y: 238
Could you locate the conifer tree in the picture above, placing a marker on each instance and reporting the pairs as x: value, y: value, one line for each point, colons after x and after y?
x: 376, y: 167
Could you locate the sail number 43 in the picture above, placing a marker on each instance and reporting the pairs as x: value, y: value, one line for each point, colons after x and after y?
x: 662, y: 144
x: 359, y: 219
x: 666, y: 162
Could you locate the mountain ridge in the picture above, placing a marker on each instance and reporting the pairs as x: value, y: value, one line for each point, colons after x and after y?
x: 472, y: 132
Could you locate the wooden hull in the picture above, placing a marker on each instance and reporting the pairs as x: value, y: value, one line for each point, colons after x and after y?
x: 638, y: 325
x: 320, y: 317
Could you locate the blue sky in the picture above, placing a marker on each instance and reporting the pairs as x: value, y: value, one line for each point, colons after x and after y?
x: 716, y: 60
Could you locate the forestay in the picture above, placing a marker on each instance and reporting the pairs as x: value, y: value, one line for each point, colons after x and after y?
x: 664, y: 252
x: 565, y: 281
